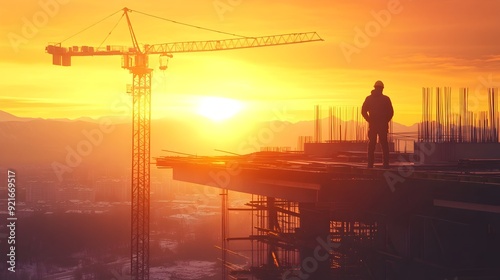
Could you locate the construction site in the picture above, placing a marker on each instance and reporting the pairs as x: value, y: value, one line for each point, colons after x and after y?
x: 320, y: 213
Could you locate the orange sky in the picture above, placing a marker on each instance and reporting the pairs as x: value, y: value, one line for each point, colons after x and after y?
x: 414, y: 44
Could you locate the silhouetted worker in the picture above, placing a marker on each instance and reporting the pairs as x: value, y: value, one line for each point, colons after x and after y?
x: 377, y: 111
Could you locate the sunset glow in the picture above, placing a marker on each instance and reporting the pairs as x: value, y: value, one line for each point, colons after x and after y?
x: 218, y: 109
x: 407, y: 44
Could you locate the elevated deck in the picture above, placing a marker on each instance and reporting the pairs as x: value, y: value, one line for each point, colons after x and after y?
x: 303, y: 178
x: 425, y: 221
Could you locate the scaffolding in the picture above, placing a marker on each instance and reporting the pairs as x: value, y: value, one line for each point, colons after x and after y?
x: 348, y: 261
x: 275, y: 241
x: 274, y: 225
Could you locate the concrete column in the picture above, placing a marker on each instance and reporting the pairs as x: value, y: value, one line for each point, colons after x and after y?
x: 314, y: 234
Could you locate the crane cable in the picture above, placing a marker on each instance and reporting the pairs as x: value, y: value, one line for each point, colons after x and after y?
x: 191, y: 25
x: 153, y: 16
x: 112, y: 29
x: 85, y: 29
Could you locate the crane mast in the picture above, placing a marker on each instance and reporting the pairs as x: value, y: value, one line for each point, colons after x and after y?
x: 141, y: 156
x: 136, y: 61
x: 141, y: 131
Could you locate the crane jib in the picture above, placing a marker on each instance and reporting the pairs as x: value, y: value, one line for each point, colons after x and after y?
x: 62, y: 55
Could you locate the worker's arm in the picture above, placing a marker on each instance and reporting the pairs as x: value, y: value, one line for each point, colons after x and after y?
x: 364, y: 110
x: 390, y: 110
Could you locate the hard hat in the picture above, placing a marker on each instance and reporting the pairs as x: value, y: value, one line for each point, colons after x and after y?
x: 378, y: 84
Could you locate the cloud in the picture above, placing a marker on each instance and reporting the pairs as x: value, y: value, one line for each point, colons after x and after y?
x: 40, y: 106
x: 443, y: 64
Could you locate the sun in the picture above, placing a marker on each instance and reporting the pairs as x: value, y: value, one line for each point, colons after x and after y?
x: 218, y: 108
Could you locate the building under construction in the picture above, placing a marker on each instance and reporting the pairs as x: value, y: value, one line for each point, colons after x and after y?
x: 435, y: 214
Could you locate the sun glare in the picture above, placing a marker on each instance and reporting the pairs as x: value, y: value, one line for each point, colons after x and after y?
x: 218, y: 108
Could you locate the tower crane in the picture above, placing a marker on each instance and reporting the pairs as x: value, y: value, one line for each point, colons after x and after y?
x: 135, y: 59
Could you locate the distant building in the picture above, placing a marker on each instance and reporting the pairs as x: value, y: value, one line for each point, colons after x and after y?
x: 40, y: 191
x: 112, y: 190
x: 75, y: 193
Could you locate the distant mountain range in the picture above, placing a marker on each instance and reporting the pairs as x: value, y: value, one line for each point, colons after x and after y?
x: 43, y: 142
x: 6, y: 117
